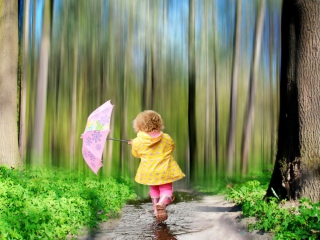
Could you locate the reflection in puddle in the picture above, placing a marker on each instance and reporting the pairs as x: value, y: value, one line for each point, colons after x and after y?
x: 152, y: 229
x: 162, y: 232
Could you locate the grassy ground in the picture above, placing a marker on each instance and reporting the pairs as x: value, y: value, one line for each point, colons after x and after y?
x: 288, y: 220
x: 52, y: 203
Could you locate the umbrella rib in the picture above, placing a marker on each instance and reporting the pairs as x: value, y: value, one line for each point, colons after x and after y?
x: 115, y: 139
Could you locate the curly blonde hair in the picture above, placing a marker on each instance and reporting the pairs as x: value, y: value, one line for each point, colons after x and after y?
x: 148, y: 121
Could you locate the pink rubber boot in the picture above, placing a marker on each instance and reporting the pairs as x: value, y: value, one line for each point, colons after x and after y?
x: 164, y: 201
x: 155, y: 200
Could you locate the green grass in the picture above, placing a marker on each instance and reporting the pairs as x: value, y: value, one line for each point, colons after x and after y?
x: 302, y: 222
x: 54, y: 204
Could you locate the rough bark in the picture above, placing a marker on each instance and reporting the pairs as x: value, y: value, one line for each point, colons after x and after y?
x: 297, y: 168
x: 9, y: 151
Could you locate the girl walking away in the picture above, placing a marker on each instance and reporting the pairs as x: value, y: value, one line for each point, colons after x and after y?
x: 157, y: 168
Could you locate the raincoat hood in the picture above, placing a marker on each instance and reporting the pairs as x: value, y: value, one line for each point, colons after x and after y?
x: 148, y: 140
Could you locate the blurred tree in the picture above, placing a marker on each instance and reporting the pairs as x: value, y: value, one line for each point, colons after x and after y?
x: 32, y: 80
x: 60, y: 63
x: 144, y: 97
x: 271, y: 44
x: 216, y: 91
x: 249, y: 114
x: 207, y: 140
x: 192, y: 92
x: 23, y: 90
x: 148, y: 70
x: 163, y: 50
x: 296, y: 171
x: 74, y: 39
x: 42, y: 80
x: 73, y: 119
x: 120, y: 61
x: 9, y: 151
x: 107, y: 80
x: 234, y: 92
x: 274, y: 5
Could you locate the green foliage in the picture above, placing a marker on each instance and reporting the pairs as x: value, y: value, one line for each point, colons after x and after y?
x: 250, y: 191
x: 53, y: 203
x: 272, y: 215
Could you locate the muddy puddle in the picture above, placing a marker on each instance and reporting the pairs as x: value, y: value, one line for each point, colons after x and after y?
x: 137, y: 220
x: 191, y: 216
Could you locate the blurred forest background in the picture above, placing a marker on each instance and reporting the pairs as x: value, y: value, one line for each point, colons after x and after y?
x: 209, y: 67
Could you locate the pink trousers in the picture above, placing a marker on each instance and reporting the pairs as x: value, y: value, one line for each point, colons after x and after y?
x: 157, y: 191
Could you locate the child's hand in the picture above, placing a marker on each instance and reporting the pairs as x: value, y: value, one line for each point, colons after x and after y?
x: 130, y: 142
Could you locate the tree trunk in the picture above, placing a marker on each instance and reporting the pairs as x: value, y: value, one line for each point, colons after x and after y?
x: 296, y: 173
x: 192, y: 92
x: 216, y: 93
x: 148, y: 70
x: 271, y: 91
x: 207, y: 139
x: 248, y: 121
x: 41, y: 95
x: 234, y: 93
x: 145, y: 81
x: 73, y: 121
x: 108, y: 81
x: 9, y: 151
x: 23, y: 90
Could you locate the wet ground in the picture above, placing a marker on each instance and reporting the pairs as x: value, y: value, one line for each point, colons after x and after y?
x: 191, y: 217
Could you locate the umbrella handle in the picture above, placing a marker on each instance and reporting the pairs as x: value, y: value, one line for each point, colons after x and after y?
x: 121, y: 140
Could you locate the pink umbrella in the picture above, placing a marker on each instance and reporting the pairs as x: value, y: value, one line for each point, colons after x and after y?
x: 95, y: 134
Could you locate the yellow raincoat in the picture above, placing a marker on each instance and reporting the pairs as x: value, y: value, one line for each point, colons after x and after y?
x: 157, y: 165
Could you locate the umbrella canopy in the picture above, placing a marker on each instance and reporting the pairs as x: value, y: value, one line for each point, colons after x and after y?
x: 95, y: 134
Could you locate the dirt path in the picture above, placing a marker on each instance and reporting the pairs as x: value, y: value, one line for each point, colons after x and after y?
x: 210, y: 218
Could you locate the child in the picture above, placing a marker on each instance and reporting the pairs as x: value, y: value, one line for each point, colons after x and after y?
x: 157, y: 167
